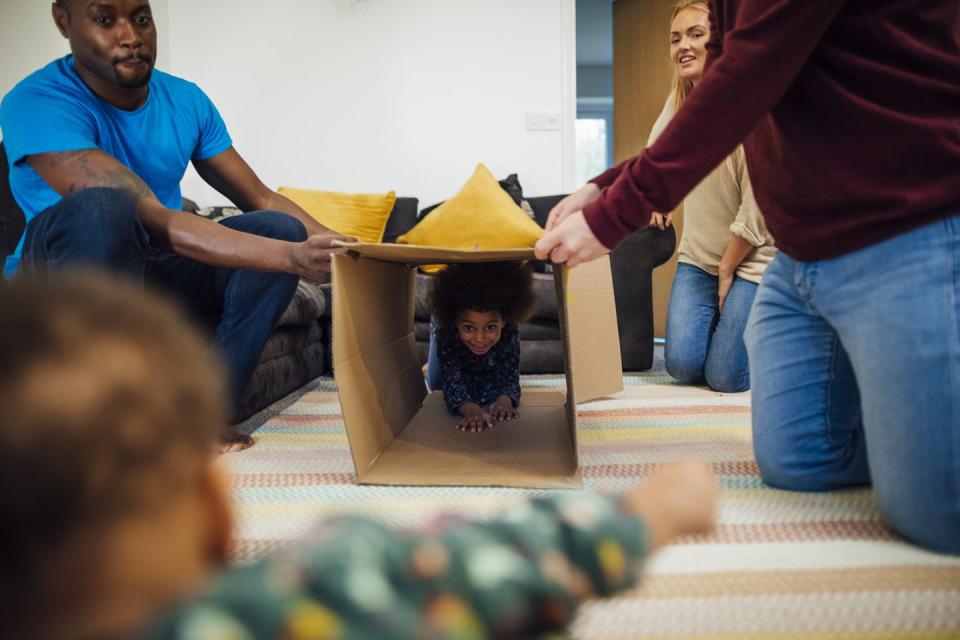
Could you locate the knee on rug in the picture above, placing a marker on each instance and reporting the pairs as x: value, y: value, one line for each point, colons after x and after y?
x: 726, y: 379
x: 785, y: 464
x: 935, y: 530
x: 684, y: 368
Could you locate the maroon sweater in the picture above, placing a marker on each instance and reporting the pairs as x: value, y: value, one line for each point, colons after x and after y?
x: 849, y: 113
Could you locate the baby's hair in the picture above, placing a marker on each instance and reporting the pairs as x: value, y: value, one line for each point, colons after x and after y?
x: 110, y: 405
x: 504, y: 287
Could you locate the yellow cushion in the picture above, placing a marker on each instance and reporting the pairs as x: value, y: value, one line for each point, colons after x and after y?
x: 480, y: 216
x: 361, y: 215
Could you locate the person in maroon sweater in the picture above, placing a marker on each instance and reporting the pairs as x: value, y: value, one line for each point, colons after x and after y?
x: 849, y: 114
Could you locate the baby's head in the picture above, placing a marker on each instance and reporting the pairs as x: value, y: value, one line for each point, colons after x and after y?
x: 480, y: 298
x: 110, y: 413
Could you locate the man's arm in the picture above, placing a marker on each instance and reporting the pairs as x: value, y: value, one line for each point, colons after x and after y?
x: 230, y: 175
x: 184, y: 233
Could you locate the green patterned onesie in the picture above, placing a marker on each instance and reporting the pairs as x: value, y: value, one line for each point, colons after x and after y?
x: 520, y: 575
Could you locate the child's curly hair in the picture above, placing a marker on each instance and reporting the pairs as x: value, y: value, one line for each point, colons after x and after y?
x: 506, y: 287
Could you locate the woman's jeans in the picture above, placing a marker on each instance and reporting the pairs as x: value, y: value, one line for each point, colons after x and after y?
x: 703, y: 345
x: 434, y: 377
x: 855, y: 363
x: 100, y: 228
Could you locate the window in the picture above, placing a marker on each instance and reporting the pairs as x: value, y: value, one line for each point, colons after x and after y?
x: 594, y: 135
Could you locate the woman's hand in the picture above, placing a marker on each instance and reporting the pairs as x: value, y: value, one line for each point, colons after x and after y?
x: 473, y: 418
x: 737, y: 249
x: 502, y: 409
x: 571, y: 243
x: 661, y: 220
x: 572, y: 203
x: 726, y: 281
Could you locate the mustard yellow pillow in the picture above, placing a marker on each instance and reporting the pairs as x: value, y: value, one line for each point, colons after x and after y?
x: 480, y: 216
x: 361, y: 215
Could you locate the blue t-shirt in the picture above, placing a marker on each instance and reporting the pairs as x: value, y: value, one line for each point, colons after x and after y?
x: 53, y: 110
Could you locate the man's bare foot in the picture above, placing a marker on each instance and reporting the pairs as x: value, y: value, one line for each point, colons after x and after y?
x: 678, y: 499
x: 233, y: 442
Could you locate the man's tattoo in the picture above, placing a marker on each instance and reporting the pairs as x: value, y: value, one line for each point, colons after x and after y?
x: 83, y: 175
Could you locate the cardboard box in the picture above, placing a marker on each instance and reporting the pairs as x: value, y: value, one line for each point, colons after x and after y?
x: 401, y: 435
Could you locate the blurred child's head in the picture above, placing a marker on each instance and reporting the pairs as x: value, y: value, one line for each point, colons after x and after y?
x: 110, y: 412
x: 480, y: 298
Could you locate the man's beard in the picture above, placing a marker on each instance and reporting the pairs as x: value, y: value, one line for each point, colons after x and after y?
x: 134, y: 81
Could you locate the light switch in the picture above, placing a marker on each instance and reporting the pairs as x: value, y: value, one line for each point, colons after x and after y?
x: 551, y: 122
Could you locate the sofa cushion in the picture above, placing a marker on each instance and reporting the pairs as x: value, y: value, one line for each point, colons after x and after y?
x: 218, y: 213
x: 361, y: 215
x: 481, y: 215
x: 275, y: 378
x: 307, y: 305
x: 289, y: 339
x: 510, y: 184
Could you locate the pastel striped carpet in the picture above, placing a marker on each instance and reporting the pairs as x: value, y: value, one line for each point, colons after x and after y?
x: 780, y: 565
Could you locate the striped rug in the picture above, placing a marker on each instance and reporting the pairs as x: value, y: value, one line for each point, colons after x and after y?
x: 780, y: 564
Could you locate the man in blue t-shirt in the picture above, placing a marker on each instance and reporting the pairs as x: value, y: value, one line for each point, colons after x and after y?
x: 98, y: 142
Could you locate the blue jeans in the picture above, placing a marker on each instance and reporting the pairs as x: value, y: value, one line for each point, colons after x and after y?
x: 434, y: 377
x: 703, y: 345
x: 100, y: 228
x: 855, y: 364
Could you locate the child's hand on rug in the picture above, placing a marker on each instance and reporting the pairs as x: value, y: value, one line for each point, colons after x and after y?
x: 502, y: 409
x: 678, y: 499
x: 474, y: 418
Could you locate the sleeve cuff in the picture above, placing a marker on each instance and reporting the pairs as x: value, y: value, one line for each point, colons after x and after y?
x: 454, y: 401
x: 751, y: 236
x: 603, y: 226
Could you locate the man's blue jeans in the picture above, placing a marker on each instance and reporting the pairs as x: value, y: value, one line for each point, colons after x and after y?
x: 855, y: 364
x: 100, y: 228
x: 703, y: 345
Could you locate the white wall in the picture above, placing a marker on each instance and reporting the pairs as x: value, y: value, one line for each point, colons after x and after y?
x: 361, y: 95
x: 28, y: 40
x: 373, y: 95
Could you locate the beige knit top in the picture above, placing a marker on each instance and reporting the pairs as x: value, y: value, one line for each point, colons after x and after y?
x: 720, y: 205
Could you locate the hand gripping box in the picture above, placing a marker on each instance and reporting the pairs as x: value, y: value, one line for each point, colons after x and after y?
x: 401, y: 435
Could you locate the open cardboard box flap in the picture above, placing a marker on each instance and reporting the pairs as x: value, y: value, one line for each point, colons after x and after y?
x: 400, y: 434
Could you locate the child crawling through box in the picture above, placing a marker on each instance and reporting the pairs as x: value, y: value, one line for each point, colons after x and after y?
x: 475, y: 339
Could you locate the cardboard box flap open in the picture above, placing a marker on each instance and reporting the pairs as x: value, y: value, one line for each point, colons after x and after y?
x: 594, y: 369
x: 374, y: 351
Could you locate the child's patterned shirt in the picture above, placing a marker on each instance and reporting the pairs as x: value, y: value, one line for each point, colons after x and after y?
x: 468, y: 377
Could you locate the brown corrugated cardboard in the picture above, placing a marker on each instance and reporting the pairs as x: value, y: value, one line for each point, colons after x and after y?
x: 399, y: 434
